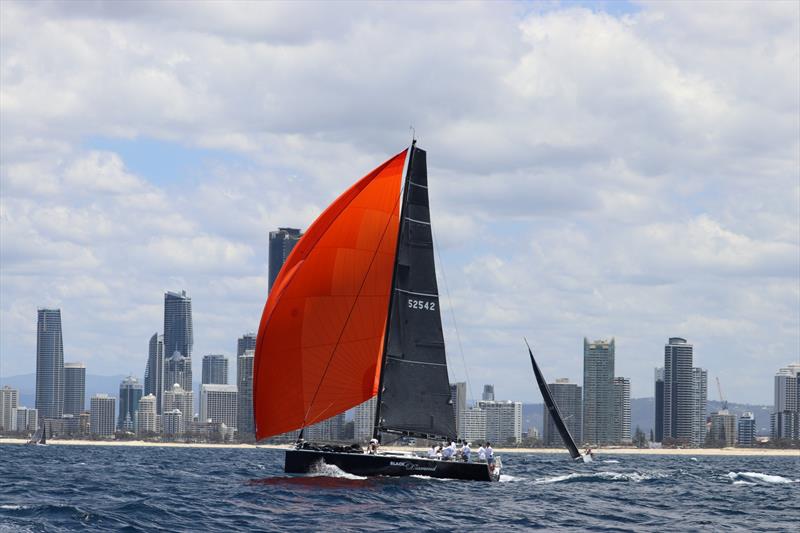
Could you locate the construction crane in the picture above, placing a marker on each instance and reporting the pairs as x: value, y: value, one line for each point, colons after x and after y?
x: 721, y: 399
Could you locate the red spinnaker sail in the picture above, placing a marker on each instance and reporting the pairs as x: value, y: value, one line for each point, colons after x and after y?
x: 319, y: 344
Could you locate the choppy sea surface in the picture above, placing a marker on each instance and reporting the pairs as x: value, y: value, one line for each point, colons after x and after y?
x: 98, y: 488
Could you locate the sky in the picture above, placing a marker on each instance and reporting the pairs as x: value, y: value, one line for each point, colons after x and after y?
x: 626, y: 170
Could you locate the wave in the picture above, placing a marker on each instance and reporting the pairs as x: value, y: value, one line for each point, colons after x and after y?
x: 609, y: 461
x: 754, y: 478
x: 634, y: 477
x: 325, y: 470
x: 13, y: 507
x: 505, y: 478
x: 418, y: 476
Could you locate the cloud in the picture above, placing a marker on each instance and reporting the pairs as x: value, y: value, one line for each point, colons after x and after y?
x: 592, y: 174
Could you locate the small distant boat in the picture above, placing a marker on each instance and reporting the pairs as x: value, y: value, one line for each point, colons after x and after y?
x: 558, y: 420
x: 39, y: 437
x: 354, y: 313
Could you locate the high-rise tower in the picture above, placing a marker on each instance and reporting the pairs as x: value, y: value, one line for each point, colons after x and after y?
x: 567, y: 397
x: 699, y: 405
x: 74, y: 388
x: 130, y: 392
x: 244, y: 383
x: 154, y: 371
x: 598, y: 392
x: 49, y: 364
x: 244, y: 343
x: 215, y: 369
x: 281, y: 243
x: 178, y: 340
x: 177, y: 325
x: 679, y: 408
x: 622, y: 410
x: 659, y: 391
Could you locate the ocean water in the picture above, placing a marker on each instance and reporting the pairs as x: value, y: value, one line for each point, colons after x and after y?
x: 97, y: 488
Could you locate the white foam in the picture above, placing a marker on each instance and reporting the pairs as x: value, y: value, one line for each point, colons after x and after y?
x: 758, y: 477
x: 743, y: 483
x: 418, y: 476
x: 507, y: 479
x: 693, y: 459
x: 325, y: 470
x: 608, y: 476
x: 12, y: 507
x: 609, y: 461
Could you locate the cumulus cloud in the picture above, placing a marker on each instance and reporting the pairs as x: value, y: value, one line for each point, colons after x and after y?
x: 592, y: 174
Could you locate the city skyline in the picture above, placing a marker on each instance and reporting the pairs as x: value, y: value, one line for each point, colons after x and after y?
x: 561, y: 208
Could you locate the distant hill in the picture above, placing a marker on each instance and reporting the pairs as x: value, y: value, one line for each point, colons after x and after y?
x: 643, y: 414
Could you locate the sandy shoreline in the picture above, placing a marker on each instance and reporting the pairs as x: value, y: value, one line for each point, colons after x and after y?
x: 600, y: 451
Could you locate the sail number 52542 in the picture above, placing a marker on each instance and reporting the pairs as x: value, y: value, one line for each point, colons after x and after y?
x: 422, y: 304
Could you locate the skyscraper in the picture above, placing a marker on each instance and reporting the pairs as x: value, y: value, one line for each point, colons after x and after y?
x: 218, y: 403
x: 154, y: 371
x: 281, y: 243
x: 130, y: 392
x: 488, y: 393
x: 474, y: 424
x: 598, y: 392
x: 9, y: 402
x: 176, y: 397
x: 101, y: 413
x: 328, y: 430
x: 568, y: 398
x: 178, y: 369
x: 215, y: 369
x: 659, y: 401
x: 364, y: 420
x: 679, y: 396
x: 74, y: 388
x: 786, y: 393
x: 147, y: 419
x: 723, y: 428
x: 49, y: 364
x: 178, y: 335
x: 26, y: 419
x: 503, y: 421
x: 699, y: 405
x: 785, y: 417
x: 622, y: 410
x: 244, y: 343
x: 458, y: 395
x: 244, y: 383
x: 746, y: 432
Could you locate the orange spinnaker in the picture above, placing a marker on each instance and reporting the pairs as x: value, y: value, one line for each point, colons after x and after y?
x: 320, y: 341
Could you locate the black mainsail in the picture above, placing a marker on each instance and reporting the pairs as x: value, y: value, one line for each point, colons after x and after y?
x: 569, y: 442
x: 414, y: 392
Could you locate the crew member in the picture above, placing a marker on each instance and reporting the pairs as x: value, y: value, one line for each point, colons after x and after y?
x: 373, y: 446
x: 465, y: 451
x: 490, y: 456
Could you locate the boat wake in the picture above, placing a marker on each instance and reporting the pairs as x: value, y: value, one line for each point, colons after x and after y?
x: 633, y: 477
x: 609, y: 461
x: 756, y: 478
x: 504, y: 478
x: 325, y: 470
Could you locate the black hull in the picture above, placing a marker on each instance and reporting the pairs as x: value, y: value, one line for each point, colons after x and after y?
x: 308, y: 461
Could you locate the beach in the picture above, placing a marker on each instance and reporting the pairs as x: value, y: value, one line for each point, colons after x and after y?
x: 751, y: 452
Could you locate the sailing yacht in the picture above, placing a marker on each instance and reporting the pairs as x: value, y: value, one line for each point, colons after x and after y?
x: 555, y: 413
x: 354, y: 313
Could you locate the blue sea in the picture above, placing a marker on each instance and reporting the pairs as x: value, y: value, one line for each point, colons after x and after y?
x: 99, y: 488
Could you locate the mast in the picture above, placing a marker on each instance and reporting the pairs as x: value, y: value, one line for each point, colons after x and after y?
x: 376, y: 434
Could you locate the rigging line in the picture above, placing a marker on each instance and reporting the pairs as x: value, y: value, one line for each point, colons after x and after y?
x: 355, y: 301
x: 452, y: 313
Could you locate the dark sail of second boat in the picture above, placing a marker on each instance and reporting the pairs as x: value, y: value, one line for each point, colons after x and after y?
x: 552, y: 408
